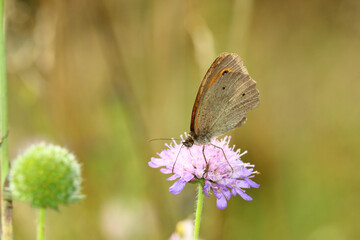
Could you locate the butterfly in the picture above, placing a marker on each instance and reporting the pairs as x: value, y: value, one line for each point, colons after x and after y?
x: 226, y: 94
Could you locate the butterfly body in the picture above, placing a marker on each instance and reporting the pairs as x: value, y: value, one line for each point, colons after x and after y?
x: 195, y: 139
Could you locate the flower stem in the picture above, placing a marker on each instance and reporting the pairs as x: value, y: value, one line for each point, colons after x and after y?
x: 3, y: 99
x: 199, y: 207
x: 6, y: 203
x: 41, y: 224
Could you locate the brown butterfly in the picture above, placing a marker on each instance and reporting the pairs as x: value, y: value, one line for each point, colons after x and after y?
x: 226, y: 94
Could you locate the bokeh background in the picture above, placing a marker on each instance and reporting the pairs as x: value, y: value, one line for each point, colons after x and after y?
x: 103, y: 77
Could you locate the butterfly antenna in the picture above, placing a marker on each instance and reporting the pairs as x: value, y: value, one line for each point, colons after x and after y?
x: 166, y: 139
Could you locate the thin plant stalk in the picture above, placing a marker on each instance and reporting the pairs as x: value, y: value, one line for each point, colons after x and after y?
x: 41, y: 224
x: 6, y: 203
x: 3, y: 99
x: 199, y: 206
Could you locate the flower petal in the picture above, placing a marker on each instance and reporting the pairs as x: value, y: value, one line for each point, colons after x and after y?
x: 188, y: 176
x: 242, y: 184
x: 156, y: 162
x: 233, y: 191
x: 165, y: 170
x: 173, y: 177
x: 221, y: 203
x: 244, y: 195
x: 226, y: 193
x: 206, y: 188
x: 177, y: 187
x: 252, y: 183
x: 216, y: 192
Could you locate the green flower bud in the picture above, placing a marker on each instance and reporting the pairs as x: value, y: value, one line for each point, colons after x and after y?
x: 46, y: 175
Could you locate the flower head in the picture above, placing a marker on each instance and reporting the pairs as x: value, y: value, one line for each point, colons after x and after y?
x: 46, y: 175
x: 216, y: 176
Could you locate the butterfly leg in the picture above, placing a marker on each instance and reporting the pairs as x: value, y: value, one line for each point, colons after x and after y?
x: 172, y: 171
x: 232, y: 170
x: 207, y: 165
x: 190, y: 153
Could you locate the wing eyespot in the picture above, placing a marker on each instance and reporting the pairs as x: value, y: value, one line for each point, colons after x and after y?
x: 223, y: 88
x: 224, y: 72
x: 243, y: 94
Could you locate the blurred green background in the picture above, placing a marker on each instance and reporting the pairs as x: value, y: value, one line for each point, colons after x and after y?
x: 103, y: 77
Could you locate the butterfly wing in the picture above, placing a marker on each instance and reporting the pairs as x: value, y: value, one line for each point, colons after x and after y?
x: 226, y: 104
x: 224, y: 63
x: 228, y: 94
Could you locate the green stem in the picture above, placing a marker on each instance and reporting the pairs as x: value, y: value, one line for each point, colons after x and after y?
x: 41, y: 224
x: 3, y: 99
x: 199, y: 206
x: 6, y: 203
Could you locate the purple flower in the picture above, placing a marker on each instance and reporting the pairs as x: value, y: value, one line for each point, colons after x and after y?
x: 217, y: 176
